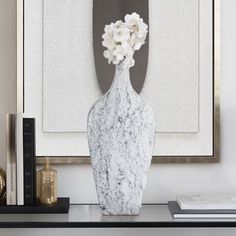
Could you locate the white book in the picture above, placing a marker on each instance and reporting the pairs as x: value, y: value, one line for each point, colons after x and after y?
x: 207, y: 202
x: 178, y: 213
x: 205, y: 216
x: 19, y: 159
x: 11, y: 159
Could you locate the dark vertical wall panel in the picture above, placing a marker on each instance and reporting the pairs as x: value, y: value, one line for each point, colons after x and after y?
x: 105, y: 12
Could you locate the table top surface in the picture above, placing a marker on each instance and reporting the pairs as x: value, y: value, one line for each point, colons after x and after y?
x: 89, y: 216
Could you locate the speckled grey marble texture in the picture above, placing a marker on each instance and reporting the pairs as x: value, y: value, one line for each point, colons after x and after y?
x: 121, y: 133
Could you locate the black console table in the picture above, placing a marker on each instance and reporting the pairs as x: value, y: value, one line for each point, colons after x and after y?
x: 89, y: 216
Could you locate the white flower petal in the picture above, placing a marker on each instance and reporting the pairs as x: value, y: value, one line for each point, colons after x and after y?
x: 121, y: 34
x: 128, y: 48
x: 119, y: 52
x: 109, y: 55
x: 116, y: 61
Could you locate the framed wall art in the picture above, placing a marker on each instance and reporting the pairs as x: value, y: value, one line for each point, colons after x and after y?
x: 61, y: 73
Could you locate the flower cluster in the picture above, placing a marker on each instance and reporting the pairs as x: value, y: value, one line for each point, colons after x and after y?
x: 123, y: 38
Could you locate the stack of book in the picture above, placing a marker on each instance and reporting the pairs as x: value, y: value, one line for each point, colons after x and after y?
x: 203, y: 207
x: 21, y: 166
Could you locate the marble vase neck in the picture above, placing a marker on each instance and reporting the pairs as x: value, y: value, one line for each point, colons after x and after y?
x: 121, y: 80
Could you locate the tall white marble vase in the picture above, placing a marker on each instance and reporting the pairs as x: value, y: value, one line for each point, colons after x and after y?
x: 121, y: 133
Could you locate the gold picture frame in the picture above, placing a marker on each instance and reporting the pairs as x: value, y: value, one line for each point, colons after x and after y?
x: 156, y: 159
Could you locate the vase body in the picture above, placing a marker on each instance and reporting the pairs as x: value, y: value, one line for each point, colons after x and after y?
x: 121, y: 134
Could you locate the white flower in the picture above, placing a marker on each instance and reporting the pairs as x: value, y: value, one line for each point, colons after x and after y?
x: 108, y: 55
x: 136, y: 25
x: 108, y: 41
x: 119, y: 52
x: 136, y: 42
x: 123, y: 38
x: 120, y: 32
x: 108, y: 30
x: 115, y: 61
x: 115, y: 56
x: 128, y: 48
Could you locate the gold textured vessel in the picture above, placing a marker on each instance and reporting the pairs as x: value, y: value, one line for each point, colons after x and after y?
x: 47, y: 185
x: 2, y: 187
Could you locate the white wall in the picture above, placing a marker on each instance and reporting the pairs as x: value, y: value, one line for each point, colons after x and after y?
x: 165, y: 181
x: 7, y: 67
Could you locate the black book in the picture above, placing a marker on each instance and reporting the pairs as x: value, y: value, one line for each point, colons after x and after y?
x: 29, y: 161
x: 178, y: 213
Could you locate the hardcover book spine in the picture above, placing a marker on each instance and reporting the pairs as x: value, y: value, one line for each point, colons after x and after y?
x: 11, y: 159
x: 29, y: 161
x: 19, y: 159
